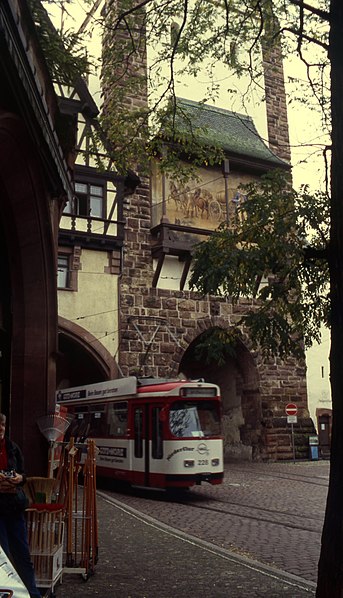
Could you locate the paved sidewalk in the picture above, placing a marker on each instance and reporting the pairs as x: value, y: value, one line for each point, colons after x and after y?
x: 142, y: 558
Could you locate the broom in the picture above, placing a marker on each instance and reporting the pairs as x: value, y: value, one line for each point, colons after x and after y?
x: 53, y: 426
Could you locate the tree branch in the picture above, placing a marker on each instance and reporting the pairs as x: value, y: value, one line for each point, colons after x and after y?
x: 307, y: 37
x: 323, y: 14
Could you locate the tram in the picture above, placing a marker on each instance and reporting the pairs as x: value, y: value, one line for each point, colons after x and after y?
x: 153, y: 433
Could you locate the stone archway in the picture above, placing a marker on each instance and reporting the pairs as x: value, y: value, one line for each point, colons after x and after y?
x: 82, y: 359
x: 238, y: 380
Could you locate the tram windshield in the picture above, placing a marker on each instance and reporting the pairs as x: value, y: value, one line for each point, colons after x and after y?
x: 194, y: 419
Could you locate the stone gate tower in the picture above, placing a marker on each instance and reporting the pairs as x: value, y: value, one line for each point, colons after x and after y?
x: 162, y: 322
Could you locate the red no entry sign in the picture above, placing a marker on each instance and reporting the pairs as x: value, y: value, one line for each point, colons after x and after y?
x: 291, y: 409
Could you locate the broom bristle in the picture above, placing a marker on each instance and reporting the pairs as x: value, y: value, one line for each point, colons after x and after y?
x: 53, y: 426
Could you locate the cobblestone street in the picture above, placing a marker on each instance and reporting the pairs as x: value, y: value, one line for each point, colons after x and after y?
x: 270, y: 512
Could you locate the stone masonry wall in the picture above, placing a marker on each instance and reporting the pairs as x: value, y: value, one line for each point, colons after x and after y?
x: 276, y: 104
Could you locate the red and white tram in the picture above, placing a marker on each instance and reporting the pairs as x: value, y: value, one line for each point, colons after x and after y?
x: 151, y: 433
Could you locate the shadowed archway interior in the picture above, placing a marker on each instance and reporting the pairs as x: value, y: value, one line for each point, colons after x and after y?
x: 76, y: 366
x: 236, y: 375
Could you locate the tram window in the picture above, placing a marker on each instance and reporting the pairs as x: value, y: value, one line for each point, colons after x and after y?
x: 196, y: 419
x: 96, y: 408
x: 71, y: 431
x: 117, y: 419
x: 157, y: 428
x: 98, y: 425
x: 138, y: 449
x: 209, y: 418
x: 81, y: 425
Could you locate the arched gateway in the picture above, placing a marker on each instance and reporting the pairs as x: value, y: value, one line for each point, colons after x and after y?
x: 236, y: 373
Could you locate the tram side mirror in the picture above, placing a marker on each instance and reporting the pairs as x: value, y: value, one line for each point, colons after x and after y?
x: 163, y: 415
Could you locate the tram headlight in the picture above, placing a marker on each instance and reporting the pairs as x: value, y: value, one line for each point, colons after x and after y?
x: 188, y: 463
x: 215, y: 462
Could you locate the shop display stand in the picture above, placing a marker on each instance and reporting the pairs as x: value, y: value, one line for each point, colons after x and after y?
x: 45, y: 526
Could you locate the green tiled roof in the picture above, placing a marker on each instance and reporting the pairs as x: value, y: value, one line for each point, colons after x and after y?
x: 234, y: 133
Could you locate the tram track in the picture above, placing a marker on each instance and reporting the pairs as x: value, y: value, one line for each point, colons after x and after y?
x: 243, y: 511
x: 293, y: 477
x: 256, y: 517
x: 195, y: 499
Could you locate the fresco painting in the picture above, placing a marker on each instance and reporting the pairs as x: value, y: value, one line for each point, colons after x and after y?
x: 199, y: 203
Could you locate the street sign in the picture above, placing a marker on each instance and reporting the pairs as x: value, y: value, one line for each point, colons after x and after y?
x: 291, y: 409
x: 291, y: 412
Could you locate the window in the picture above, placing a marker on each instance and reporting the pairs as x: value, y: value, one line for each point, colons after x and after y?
x: 98, y: 421
x: 80, y: 425
x: 63, y: 272
x: 138, y: 450
x: 68, y: 208
x: 68, y: 265
x: 157, y: 434
x: 196, y: 419
x: 89, y: 200
x: 117, y: 419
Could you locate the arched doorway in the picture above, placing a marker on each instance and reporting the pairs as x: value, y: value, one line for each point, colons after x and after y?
x: 82, y: 359
x: 236, y: 374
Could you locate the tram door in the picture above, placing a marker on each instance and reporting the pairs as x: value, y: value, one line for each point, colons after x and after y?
x: 148, y: 444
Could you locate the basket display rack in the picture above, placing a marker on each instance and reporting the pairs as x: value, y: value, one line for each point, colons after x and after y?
x: 45, y: 525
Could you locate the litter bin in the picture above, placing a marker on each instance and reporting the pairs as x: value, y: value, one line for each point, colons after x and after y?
x: 314, y: 447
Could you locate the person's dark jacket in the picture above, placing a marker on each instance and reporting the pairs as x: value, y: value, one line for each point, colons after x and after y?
x: 18, y: 502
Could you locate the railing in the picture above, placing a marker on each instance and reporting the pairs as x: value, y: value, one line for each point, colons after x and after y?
x: 91, y: 230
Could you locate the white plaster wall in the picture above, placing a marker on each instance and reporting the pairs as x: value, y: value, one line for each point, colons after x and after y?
x: 171, y: 273
x: 95, y: 305
x: 318, y: 376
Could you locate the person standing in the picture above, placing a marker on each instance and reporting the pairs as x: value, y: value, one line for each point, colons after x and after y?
x: 13, y: 502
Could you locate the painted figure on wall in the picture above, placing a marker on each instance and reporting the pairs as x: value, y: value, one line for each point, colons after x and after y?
x: 200, y: 203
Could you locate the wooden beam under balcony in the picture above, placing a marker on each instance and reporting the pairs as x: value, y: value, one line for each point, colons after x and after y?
x: 175, y: 240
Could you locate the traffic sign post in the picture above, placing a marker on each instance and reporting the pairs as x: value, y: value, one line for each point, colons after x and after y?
x: 292, y: 412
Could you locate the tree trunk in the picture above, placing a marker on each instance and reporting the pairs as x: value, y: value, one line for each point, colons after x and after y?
x: 330, y: 570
